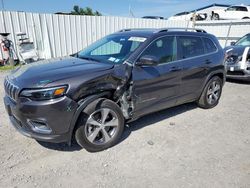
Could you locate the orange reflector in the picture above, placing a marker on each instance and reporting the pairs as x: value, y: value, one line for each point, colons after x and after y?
x: 59, y: 91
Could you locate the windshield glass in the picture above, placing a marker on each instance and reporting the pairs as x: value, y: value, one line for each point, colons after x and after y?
x: 113, y: 48
x: 244, y: 41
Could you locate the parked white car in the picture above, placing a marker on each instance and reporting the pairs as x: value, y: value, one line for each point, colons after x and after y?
x: 182, y: 16
x: 189, y: 16
x: 236, y: 12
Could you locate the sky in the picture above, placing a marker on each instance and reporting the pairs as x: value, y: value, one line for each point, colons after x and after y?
x: 140, y: 8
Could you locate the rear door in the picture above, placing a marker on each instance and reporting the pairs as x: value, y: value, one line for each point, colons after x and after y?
x: 156, y: 87
x: 195, y: 66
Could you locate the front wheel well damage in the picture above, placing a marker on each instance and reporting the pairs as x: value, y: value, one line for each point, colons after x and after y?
x: 123, y: 101
x: 82, y: 104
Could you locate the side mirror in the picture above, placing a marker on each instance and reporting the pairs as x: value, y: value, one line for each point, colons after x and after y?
x: 148, y: 60
x: 232, y: 43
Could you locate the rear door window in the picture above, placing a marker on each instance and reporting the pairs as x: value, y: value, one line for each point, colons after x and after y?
x: 242, y: 9
x: 209, y: 45
x: 190, y: 46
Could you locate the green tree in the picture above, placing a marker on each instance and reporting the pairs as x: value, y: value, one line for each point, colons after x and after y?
x: 84, y: 11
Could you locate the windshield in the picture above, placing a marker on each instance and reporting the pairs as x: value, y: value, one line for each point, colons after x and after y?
x: 244, y: 41
x: 113, y: 48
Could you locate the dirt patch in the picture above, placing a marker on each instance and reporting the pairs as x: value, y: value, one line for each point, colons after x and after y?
x: 183, y: 146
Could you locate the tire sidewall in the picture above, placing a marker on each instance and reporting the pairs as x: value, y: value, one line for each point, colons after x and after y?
x: 216, y: 16
x: 80, y: 135
x: 207, y: 105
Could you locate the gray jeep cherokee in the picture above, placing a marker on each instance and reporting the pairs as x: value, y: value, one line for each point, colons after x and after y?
x: 90, y: 95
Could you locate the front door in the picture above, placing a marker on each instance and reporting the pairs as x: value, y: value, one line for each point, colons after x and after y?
x: 156, y: 87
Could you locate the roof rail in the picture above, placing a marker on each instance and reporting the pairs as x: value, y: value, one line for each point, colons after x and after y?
x: 181, y: 29
x: 133, y: 29
x: 124, y: 30
x: 155, y: 30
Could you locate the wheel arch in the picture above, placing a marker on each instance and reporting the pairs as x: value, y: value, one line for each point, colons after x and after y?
x: 220, y: 73
x: 83, y: 103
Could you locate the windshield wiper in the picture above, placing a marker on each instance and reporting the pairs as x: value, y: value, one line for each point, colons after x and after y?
x: 88, y: 58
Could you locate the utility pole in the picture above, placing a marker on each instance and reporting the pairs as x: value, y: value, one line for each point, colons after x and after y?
x: 3, y: 4
x: 131, y: 12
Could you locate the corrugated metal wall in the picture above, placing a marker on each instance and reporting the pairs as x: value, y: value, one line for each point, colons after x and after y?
x: 60, y: 35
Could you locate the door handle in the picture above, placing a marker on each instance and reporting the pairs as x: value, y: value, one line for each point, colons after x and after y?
x: 207, y: 62
x: 175, y: 69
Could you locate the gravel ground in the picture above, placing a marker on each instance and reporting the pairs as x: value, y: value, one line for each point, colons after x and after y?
x: 183, y: 146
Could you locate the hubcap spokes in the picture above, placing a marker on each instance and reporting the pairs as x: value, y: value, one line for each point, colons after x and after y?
x: 213, y: 92
x: 101, y: 126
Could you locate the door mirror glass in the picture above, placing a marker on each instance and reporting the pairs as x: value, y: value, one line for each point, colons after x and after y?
x: 148, y: 60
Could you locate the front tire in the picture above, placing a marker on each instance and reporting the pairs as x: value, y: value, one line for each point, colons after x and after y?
x: 211, y: 94
x: 100, y: 125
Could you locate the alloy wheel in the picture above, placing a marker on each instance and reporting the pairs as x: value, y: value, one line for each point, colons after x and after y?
x: 213, y: 92
x: 101, y: 126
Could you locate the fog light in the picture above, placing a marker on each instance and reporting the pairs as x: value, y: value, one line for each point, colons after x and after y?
x: 39, y: 127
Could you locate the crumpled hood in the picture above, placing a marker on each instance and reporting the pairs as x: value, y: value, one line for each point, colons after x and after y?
x: 235, y: 50
x: 41, y: 73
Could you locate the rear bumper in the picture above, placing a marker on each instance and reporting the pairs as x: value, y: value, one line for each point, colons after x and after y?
x: 55, y: 113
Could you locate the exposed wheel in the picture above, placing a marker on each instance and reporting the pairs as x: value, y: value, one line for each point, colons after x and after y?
x: 211, y: 94
x: 216, y: 17
x: 100, y: 125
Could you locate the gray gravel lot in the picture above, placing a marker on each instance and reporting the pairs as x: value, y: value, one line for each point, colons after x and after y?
x: 183, y: 146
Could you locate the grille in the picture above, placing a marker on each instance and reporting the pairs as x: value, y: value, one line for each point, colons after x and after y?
x: 10, y: 89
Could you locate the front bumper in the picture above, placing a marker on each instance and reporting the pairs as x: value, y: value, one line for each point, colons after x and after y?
x: 238, y: 73
x: 56, y: 114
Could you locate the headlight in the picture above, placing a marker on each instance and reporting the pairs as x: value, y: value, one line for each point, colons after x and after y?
x: 233, y: 59
x: 44, y: 94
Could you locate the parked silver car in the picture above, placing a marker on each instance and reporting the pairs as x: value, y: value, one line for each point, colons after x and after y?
x: 238, y: 59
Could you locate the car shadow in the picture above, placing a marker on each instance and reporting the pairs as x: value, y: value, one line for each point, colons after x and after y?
x: 60, y: 146
x: 133, y: 126
x: 156, y: 117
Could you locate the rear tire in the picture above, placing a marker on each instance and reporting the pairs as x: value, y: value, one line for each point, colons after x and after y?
x: 100, y: 125
x: 216, y: 17
x: 211, y: 94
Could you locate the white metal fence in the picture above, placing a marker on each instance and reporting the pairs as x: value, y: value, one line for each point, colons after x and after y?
x: 226, y: 30
x: 61, y: 35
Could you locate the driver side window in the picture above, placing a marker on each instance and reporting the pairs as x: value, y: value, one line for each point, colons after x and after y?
x: 163, y: 49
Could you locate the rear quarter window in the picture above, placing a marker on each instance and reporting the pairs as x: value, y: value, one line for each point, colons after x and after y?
x: 209, y: 45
